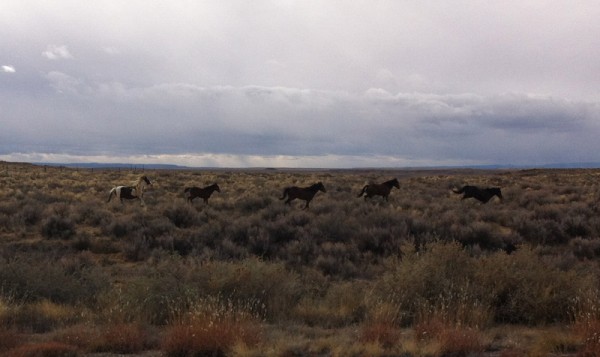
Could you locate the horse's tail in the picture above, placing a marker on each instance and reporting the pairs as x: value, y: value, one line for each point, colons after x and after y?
x: 459, y: 191
x: 285, y: 193
x: 112, y: 193
x: 363, y: 191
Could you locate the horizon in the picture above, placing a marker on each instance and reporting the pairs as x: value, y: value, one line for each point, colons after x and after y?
x: 166, y: 166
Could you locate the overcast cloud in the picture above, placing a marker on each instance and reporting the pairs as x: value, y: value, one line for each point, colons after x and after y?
x: 300, y: 83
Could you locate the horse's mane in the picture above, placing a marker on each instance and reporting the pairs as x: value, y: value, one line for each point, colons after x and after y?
x: 391, y: 182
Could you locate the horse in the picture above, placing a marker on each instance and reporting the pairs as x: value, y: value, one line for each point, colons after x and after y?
x: 382, y: 189
x: 204, y: 193
x: 481, y: 194
x: 134, y: 191
x: 303, y: 193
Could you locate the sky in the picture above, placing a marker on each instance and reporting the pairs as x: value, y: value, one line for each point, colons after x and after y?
x: 321, y: 83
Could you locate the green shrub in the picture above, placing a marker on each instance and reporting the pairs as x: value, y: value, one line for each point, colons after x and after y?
x: 525, y: 288
x: 182, y: 216
x: 59, y: 227
x: 33, y: 278
x: 438, y: 281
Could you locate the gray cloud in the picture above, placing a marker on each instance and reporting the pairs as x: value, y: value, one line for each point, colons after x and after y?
x: 54, y: 52
x: 178, y: 119
x: 397, y: 82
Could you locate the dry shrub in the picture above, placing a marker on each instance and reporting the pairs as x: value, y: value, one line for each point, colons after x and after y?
x: 167, y: 291
x: 38, y: 317
x: 337, y: 308
x: 384, y: 333
x: 123, y: 338
x: 207, y: 339
x: 524, y: 287
x: 587, y: 323
x: 271, y: 289
x: 212, y: 328
x: 585, y: 248
x: 83, y: 336
x: 450, y: 339
x: 44, y: 349
x: 8, y: 339
x: 30, y: 214
x: 512, y: 352
x: 57, y: 226
x: 33, y: 277
x: 460, y: 341
x: 122, y: 227
x: 553, y: 342
x: 428, y: 329
x: 589, y: 330
x: 147, y: 300
x: 438, y: 282
x: 181, y: 216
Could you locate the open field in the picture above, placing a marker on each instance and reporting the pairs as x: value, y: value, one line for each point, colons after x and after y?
x: 424, y: 274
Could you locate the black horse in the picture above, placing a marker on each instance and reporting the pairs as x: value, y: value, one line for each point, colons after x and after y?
x: 204, y: 193
x: 382, y: 189
x: 303, y: 193
x: 481, y: 194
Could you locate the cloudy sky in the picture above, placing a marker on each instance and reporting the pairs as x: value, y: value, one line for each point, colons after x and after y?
x: 300, y: 83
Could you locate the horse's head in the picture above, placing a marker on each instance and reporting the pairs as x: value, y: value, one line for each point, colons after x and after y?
x: 395, y: 183
x: 496, y: 191
x: 217, y: 188
x: 319, y: 186
x: 146, y: 180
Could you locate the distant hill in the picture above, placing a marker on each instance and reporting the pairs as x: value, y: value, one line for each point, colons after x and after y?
x: 94, y: 165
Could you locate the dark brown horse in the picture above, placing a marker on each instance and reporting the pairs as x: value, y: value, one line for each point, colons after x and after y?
x: 481, y: 194
x: 382, y: 189
x: 303, y: 193
x: 204, y: 193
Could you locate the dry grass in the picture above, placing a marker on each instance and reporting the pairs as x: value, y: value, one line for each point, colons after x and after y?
x: 44, y: 349
x: 424, y: 261
x: 212, y: 328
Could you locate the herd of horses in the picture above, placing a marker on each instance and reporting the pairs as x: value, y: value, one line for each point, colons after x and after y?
x: 136, y: 191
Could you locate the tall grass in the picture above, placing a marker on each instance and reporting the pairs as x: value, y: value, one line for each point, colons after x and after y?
x: 212, y: 328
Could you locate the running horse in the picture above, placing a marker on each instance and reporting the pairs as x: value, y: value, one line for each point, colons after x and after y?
x: 135, y: 191
x: 204, y: 193
x: 481, y: 194
x: 382, y: 189
x: 302, y: 193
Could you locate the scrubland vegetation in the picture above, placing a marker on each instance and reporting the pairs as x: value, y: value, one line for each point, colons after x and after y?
x: 424, y: 274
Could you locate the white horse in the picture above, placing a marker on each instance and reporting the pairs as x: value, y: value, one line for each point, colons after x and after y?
x: 135, y: 191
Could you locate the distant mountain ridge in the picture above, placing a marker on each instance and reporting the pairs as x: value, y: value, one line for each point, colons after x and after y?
x: 94, y: 165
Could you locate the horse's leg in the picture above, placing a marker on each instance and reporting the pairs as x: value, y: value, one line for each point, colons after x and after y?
x: 205, y: 200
